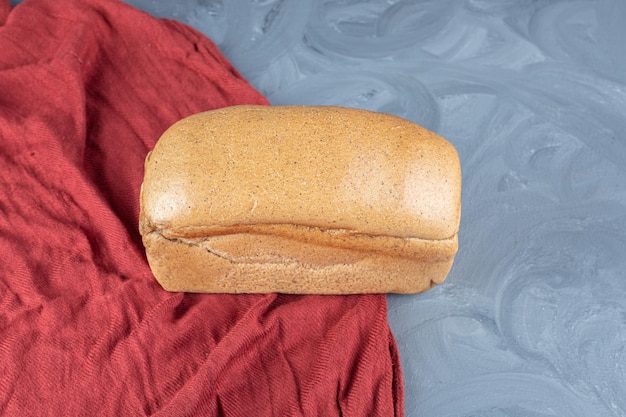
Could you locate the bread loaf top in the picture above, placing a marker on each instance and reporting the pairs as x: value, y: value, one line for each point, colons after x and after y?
x: 334, y: 168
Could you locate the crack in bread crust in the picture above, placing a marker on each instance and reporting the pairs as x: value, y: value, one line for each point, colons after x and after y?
x: 241, y: 263
x: 412, y: 248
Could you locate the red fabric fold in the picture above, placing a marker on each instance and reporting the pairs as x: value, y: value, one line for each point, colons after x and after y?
x: 86, y: 88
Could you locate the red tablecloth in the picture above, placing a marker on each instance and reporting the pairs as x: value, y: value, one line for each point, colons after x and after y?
x: 86, y: 88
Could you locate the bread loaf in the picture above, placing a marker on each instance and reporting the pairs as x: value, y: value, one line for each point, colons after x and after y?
x: 302, y: 200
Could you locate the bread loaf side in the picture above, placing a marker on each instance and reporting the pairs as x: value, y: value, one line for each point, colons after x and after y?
x: 297, y: 199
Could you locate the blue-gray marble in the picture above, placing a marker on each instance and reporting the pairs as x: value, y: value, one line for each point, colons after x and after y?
x: 532, y: 318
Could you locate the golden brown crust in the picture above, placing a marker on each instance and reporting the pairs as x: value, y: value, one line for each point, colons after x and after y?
x: 300, y: 200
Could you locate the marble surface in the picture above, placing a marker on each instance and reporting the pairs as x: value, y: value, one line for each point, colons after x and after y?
x: 532, y: 318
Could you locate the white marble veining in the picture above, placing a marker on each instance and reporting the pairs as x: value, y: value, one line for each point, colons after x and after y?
x: 532, y: 319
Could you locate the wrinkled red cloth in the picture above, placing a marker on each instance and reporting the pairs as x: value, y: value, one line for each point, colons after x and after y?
x: 86, y: 88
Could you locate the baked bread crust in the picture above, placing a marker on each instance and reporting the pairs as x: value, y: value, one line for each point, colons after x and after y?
x: 300, y: 199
